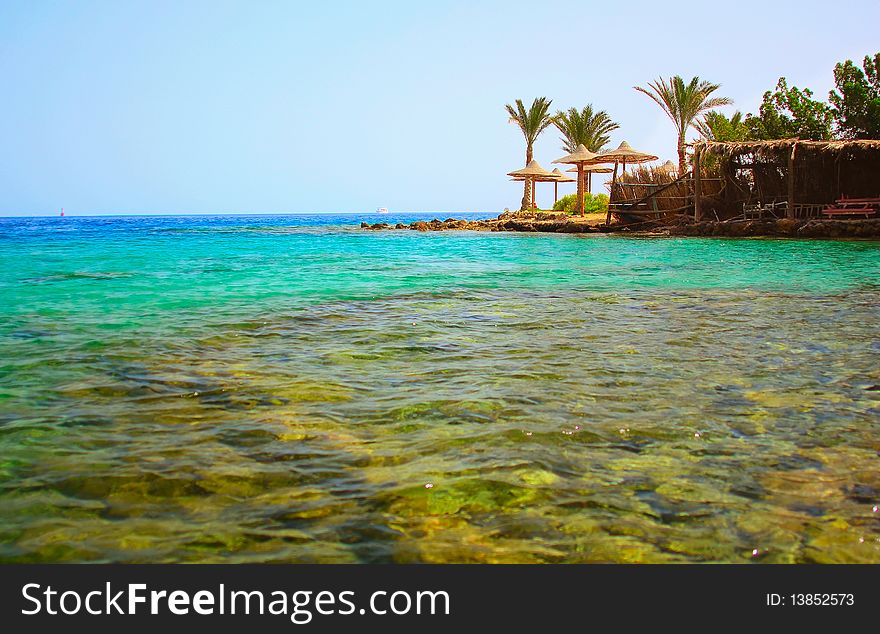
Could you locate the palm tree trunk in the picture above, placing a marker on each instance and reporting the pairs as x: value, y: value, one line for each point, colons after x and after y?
x: 527, y: 189
x: 682, y: 157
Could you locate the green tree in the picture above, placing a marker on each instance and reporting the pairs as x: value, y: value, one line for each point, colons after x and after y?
x: 791, y: 113
x: 716, y: 126
x: 683, y: 103
x: 532, y: 123
x: 584, y: 126
x: 856, y: 102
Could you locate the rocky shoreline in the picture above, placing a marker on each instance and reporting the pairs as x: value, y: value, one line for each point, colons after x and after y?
x: 548, y: 222
x: 783, y: 228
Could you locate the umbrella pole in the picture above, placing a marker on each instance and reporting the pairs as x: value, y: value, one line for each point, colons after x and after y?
x: 580, y: 196
x: 613, y: 183
x: 555, y: 193
x: 534, y: 186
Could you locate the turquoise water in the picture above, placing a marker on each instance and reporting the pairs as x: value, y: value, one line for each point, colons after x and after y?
x: 298, y: 389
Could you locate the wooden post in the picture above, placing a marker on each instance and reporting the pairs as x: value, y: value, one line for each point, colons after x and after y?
x: 790, y: 211
x: 611, y: 198
x: 698, y: 187
x: 555, y: 192
x: 580, y: 188
x: 534, y: 187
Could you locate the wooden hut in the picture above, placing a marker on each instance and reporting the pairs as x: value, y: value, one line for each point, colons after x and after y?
x: 783, y: 178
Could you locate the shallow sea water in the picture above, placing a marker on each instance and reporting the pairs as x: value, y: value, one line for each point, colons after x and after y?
x: 295, y: 389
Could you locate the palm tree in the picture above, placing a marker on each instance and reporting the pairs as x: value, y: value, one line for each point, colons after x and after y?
x: 584, y: 126
x: 683, y: 103
x: 532, y: 122
x: 715, y: 126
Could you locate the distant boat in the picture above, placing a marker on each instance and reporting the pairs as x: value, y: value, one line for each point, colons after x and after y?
x: 382, y: 210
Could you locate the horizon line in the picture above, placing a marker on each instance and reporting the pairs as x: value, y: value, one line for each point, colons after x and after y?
x: 237, y: 213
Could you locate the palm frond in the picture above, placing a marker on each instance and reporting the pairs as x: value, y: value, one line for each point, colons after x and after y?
x: 584, y: 127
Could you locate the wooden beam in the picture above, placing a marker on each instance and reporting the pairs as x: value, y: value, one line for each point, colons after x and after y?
x: 789, y: 213
x: 698, y: 187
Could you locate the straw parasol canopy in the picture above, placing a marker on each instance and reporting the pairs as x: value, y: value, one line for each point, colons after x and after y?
x: 669, y: 166
x: 622, y: 155
x: 579, y: 158
x: 532, y: 169
x: 593, y: 169
x: 559, y: 177
x: 532, y: 172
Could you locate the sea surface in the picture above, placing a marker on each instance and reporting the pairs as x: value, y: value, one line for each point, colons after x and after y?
x: 297, y: 389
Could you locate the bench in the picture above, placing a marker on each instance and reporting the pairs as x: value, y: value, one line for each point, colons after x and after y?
x: 867, y: 212
x: 866, y: 207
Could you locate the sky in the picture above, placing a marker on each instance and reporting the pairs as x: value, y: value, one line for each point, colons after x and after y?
x: 285, y: 107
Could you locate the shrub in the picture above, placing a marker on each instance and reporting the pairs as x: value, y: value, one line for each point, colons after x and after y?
x: 593, y: 203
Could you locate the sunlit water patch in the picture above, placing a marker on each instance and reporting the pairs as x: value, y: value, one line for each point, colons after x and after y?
x: 295, y: 389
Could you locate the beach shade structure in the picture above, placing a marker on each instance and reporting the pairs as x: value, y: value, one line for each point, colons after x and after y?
x: 669, y: 166
x: 559, y: 177
x: 589, y: 170
x: 580, y: 157
x: 532, y: 172
x: 621, y: 156
x: 553, y: 178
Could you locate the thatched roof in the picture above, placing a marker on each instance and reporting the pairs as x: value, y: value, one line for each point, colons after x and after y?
x: 596, y: 169
x: 624, y: 154
x: 559, y: 177
x: 804, y: 173
x: 580, y: 155
x: 743, y: 147
x: 532, y: 169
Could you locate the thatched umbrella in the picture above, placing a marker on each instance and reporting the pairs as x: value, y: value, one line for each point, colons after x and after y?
x: 589, y: 170
x: 554, y: 177
x: 669, y: 166
x: 622, y: 155
x: 578, y: 158
x: 534, y: 173
x: 559, y: 177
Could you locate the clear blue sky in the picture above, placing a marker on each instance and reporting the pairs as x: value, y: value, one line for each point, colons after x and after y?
x: 202, y: 107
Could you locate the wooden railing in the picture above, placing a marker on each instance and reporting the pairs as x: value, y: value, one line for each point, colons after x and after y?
x: 647, y: 204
